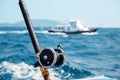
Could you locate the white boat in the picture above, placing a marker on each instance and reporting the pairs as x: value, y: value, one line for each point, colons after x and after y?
x: 73, y: 27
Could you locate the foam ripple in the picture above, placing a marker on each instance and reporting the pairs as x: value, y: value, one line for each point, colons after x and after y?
x: 23, y: 71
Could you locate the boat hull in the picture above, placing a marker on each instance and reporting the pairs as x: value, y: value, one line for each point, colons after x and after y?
x: 73, y: 32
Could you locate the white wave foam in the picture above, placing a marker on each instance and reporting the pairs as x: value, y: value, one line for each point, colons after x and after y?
x: 14, y: 32
x: 25, y: 31
x: 102, y: 77
x: 18, y: 32
x: 91, y: 33
x: 57, y: 33
x: 3, y: 32
x: 44, y: 32
x: 24, y: 71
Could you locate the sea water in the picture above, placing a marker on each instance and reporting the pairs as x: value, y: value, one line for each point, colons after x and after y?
x: 94, y: 56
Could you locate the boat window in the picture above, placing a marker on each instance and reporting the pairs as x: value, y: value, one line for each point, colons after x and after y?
x: 62, y: 28
x: 68, y: 29
x: 74, y: 25
x: 55, y: 27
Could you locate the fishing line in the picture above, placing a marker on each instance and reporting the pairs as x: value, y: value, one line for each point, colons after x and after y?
x: 48, y: 39
x: 52, y: 39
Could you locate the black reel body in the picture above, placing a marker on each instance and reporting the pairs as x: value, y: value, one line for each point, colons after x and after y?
x: 51, y: 57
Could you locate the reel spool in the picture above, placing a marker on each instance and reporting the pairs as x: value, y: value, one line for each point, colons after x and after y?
x: 51, y: 57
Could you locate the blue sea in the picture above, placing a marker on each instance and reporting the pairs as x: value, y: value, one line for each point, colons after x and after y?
x: 94, y: 56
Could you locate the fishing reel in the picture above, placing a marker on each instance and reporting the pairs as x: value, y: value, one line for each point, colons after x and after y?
x: 51, y: 57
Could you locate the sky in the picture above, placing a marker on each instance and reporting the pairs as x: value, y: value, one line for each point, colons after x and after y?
x: 90, y: 12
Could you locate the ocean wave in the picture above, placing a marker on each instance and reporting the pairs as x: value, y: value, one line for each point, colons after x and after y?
x: 91, y: 33
x: 28, y: 72
x: 14, y: 32
x: 101, y: 77
x: 88, y: 57
x: 58, y: 33
x: 3, y: 32
x: 67, y: 72
x: 22, y: 71
x: 25, y: 32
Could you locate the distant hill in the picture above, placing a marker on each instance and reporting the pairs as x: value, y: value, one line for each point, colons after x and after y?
x: 36, y: 23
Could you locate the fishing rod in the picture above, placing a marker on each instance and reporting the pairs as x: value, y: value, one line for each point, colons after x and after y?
x: 47, y: 57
